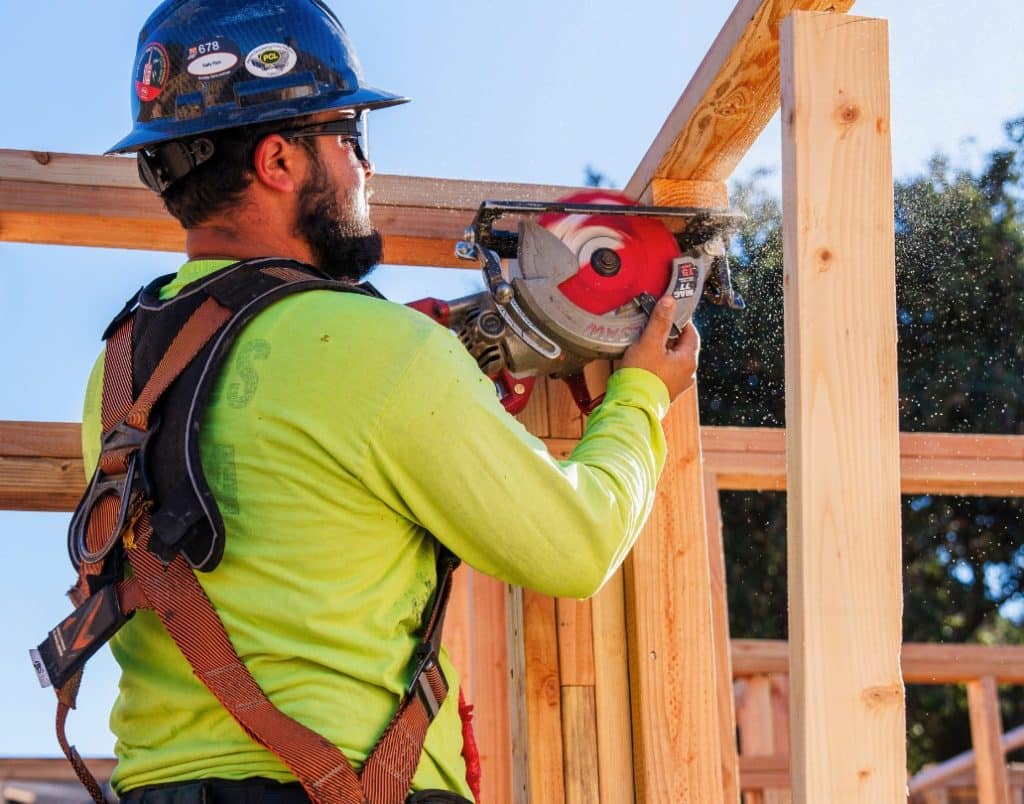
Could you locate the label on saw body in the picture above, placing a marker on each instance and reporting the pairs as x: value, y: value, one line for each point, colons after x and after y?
x: 609, y: 333
x: 686, y: 278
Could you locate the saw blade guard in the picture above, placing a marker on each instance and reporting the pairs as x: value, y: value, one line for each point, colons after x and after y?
x: 589, y: 280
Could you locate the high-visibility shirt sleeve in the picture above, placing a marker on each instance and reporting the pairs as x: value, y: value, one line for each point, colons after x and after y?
x: 448, y: 456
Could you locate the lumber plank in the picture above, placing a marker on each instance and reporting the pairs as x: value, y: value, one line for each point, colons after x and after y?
x: 755, y: 717
x: 575, y: 642
x: 744, y: 458
x: 946, y: 772
x: 720, y: 620
x: 579, y: 743
x: 52, y: 769
x: 986, y: 737
x: 40, y: 484
x: 676, y: 738
x: 730, y: 99
x: 534, y: 417
x: 923, y: 663
x: 841, y: 412
x: 458, y: 627
x: 611, y: 692
x: 518, y: 727
x: 74, y: 199
x: 543, y: 700
x: 490, y: 663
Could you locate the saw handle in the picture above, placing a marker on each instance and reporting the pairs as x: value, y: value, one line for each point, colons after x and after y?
x: 581, y: 394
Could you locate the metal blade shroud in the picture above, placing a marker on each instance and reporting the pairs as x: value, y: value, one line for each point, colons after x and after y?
x: 590, y: 280
x: 581, y: 276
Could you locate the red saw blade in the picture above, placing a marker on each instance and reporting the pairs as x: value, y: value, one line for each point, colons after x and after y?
x: 644, y: 246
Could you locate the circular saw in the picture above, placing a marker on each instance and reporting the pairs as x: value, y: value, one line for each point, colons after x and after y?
x: 576, y: 281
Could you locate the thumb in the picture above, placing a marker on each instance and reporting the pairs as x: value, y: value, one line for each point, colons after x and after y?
x: 659, y: 325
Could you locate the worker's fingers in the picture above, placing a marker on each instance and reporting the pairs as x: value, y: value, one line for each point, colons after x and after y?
x: 688, y: 340
x: 659, y: 325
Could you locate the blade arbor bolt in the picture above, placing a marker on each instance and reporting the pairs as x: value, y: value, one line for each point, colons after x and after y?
x: 605, y: 262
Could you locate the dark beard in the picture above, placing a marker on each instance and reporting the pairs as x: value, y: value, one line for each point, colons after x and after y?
x: 343, y: 248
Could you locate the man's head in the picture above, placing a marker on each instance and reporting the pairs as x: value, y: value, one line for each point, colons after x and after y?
x: 220, y: 84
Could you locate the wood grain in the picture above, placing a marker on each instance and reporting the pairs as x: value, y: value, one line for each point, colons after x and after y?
x: 579, y: 743
x: 490, y: 673
x: 723, y: 661
x: 611, y: 692
x: 729, y: 100
x: 739, y: 458
x: 842, y: 413
x: 676, y: 740
x: 986, y: 736
x: 543, y: 700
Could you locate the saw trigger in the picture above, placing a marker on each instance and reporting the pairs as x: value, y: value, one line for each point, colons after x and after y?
x: 646, y: 303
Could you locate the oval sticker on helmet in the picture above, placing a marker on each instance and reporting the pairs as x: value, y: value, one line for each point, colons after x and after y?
x: 212, y: 58
x: 270, y: 60
x: 151, y: 72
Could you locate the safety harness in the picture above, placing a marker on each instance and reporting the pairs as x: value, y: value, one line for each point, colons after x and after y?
x: 148, y: 519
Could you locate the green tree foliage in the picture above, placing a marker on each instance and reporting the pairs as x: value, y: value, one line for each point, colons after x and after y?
x: 960, y: 316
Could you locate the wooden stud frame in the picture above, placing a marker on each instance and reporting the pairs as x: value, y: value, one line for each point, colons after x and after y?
x: 568, y: 660
x: 844, y: 546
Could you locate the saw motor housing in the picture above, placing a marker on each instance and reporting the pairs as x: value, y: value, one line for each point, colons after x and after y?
x: 546, y: 313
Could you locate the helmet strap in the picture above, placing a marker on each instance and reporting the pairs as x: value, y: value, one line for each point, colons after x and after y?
x: 168, y: 162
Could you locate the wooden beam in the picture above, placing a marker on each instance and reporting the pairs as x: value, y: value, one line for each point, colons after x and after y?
x: 611, y: 692
x: 543, y: 736
x: 676, y: 740
x: 490, y: 661
x: 986, y: 736
x: 71, y: 199
x: 729, y: 100
x: 841, y: 412
x: 723, y: 662
x: 942, y: 775
x: 739, y: 458
x: 923, y: 663
x: 579, y: 744
x: 52, y: 769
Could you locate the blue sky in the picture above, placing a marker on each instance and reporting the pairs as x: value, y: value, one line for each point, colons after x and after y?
x: 532, y: 91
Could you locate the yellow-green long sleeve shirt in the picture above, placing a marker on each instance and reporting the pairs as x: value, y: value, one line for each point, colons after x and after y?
x: 342, y: 430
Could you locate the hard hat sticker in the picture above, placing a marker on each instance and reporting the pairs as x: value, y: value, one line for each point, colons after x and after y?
x: 270, y: 60
x: 213, y: 58
x: 151, y: 72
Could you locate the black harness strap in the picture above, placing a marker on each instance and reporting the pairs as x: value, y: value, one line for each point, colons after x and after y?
x: 174, y: 351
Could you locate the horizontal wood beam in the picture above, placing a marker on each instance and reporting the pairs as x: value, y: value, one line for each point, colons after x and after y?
x: 41, y: 466
x: 729, y: 100
x: 72, y: 199
x: 922, y: 663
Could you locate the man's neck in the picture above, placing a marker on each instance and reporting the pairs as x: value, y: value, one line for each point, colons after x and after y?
x: 210, y: 241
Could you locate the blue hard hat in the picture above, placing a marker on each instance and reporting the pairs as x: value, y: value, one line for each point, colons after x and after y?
x: 207, y: 65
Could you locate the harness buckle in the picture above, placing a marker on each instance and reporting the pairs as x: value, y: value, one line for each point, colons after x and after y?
x: 427, y: 666
x: 130, y: 487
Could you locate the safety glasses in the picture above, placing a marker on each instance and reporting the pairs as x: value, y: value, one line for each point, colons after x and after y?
x: 351, y: 130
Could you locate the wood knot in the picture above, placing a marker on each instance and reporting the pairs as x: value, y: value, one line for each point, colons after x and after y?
x: 42, y: 157
x: 847, y: 113
x: 881, y: 125
x: 735, y: 102
x: 823, y: 259
x: 883, y: 695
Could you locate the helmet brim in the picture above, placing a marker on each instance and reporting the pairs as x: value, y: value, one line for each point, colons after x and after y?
x: 165, y: 129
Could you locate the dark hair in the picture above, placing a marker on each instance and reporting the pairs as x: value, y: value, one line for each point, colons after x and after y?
x: 218, y: 183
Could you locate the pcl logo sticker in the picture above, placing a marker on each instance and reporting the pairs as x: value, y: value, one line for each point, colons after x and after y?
x: 270, y: 60
x: 151, y: 72
x: 214, y: 58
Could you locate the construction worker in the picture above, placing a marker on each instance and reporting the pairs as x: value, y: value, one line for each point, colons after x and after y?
x: 344, y: 437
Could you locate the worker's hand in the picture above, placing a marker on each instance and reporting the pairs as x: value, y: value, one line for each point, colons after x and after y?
x: 674, y: 360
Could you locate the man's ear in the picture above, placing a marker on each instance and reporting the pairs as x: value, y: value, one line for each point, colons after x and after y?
x: 276, y: 163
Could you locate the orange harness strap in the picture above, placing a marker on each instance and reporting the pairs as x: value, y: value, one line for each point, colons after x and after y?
x: 177, y: 598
